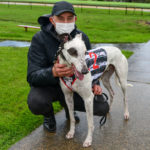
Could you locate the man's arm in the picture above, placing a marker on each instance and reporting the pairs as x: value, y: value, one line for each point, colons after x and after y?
x: 39, y: 72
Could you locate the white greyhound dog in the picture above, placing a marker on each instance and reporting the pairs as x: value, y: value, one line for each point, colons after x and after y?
x: 73, y: 53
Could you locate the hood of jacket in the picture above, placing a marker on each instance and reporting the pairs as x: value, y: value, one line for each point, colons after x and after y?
x: 45, y: 24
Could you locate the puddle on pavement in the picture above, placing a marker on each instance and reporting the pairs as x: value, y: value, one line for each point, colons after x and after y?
x: 125, y: 46
x: 14, y: 43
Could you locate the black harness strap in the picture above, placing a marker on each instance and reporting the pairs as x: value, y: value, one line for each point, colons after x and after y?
x: 63, y: 38
x: 59, y: 52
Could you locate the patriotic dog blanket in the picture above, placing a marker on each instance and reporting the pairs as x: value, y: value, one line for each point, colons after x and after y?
x: 96, y: 60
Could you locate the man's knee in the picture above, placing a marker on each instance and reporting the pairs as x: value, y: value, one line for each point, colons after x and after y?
x: 37, y: 103
x: 34, y: 104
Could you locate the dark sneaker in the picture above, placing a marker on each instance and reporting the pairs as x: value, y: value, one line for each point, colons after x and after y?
x: 77, y: 119
x: 50, y: 123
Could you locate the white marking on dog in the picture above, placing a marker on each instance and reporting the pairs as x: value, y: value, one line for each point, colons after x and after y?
x: 74, y: 53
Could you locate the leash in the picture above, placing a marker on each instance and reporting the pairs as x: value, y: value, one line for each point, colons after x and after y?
x: 59, y: 52
x: 103, y: 118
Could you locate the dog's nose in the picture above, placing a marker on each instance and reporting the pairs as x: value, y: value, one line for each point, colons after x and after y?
x: 84, y: 70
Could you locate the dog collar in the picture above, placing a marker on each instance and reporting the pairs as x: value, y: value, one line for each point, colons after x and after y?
x: 69, y: 81
x: 63, y: 38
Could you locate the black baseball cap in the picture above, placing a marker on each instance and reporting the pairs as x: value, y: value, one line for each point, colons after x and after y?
x: 62, y: 6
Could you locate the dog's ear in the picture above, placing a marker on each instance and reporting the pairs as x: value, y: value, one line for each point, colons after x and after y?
x: 79, y: 36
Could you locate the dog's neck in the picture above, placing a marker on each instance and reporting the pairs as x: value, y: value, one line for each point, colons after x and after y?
x: 63, y: 61
x: 63, y: 38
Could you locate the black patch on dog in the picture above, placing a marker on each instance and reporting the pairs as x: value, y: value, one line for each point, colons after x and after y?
x: 72, y: 51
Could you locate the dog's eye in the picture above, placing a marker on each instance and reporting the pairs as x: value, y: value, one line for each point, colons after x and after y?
x: 73, y: 52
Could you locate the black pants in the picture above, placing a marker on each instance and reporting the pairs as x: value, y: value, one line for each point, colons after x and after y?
x: 40, y: 100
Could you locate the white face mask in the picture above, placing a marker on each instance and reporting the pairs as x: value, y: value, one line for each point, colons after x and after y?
x: 64, y: 27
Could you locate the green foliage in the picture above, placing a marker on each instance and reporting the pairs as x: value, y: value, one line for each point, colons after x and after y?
x: 137, y: 3
x: 16, y: 120
x: 98, y: 24
x: 114, y: 28
x: 127, y: 53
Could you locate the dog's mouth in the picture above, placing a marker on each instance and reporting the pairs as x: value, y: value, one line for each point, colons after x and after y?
x: 78, y: 75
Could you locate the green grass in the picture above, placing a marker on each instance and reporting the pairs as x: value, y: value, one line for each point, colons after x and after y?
x: 127, y: 53
x: 16, y: 121
x: 90, y: 2
x: 97, y: 24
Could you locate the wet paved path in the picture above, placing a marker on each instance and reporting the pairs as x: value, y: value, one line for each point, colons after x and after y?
x: 116, y: 134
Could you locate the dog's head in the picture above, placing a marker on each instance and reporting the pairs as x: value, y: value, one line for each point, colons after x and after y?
x: 74, y: 52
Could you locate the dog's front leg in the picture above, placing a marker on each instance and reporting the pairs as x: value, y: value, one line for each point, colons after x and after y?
x: 88, y: 101
x: 70, y: 104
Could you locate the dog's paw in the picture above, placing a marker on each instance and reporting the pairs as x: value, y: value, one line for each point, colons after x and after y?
x: 87, y: 143
x: 70, y: 135
x: 126, y: 116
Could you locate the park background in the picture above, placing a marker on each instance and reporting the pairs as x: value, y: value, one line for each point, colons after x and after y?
x: 101, y: 25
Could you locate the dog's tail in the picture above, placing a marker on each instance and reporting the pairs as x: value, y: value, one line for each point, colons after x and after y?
x: 118, y: 83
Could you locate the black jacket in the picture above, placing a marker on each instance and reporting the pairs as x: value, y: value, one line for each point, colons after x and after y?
x: 41, y: 53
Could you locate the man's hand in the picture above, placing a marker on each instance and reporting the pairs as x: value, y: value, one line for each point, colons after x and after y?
x: 61, y: 70
x: 97, y: 90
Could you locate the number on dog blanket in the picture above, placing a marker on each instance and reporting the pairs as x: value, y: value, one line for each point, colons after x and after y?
x: 95, y: 58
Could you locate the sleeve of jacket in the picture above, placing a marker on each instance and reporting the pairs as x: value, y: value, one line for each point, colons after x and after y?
x: 87, y: 41
x: 39, y: 72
